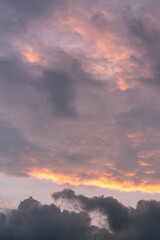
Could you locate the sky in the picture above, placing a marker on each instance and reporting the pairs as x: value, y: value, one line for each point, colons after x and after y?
x: 79, y: 119
x: 80, y: 105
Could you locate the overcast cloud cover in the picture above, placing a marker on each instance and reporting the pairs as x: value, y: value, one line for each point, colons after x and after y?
x: 79, y: 92
x: 79, y: 106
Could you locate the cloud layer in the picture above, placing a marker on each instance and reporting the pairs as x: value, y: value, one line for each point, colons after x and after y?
x: 32, y: 220
x: 79, y: 92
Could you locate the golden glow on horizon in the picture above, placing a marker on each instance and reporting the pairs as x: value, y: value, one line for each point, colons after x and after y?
x: 103, y: 182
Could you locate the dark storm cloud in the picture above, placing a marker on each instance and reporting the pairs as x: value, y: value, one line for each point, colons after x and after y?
x: 35, y: 221
x: 32, y: 220
x: 117, y: 214
x: 140, y: 223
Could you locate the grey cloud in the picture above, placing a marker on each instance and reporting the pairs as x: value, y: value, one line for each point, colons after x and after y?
x: 137, y: 224
x: 18, y: 18
x: 100, y: 21
x: 10, y: 139
x: 59, y: 84
x: 35, y: 221
x: 60, y: 88
x: 140, y: 31
x: 31, y: 102
x: 147, y: 37
x: 64, y: 83
x: 141, y: 116
x: 147, y: 219
x: 13, y: 71
x: 32, y: 220
x: 44, y: 103
x: 118, y: 215
x: 13, y: 147
x: 34, y: 8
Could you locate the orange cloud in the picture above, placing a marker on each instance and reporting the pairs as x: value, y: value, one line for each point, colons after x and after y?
x: 146, y: 155
x: 144, y: 164
x: 105, y: 53
x: 103, y: 182
x: 31, y: 57
x: 123, y: 85
x: 134, y: 135
x: 149, y: 172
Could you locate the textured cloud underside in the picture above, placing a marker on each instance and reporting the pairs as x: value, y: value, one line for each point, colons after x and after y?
x: 79, y: 92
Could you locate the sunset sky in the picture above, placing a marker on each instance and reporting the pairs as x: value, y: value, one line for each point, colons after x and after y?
x: 79, y: 99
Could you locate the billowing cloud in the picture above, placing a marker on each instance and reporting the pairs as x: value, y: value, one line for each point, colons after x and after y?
x: 32, y: 220
x: 118, y: 215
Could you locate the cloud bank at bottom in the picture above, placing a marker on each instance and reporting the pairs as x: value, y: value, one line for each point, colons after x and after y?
x: 34, y: 221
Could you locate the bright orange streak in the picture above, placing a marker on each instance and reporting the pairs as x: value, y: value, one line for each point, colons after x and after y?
x: 102, y: 182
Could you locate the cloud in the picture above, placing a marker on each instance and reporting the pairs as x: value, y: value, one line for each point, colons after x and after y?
x: 32, y: 220
x: 34, y: 9
x: 35, y: 221
x: 118, y: 215
x: 145, y: 31
x: 125, y: 222
x: 14, y: 150
x: 60, y: 88
x: 142, y: 116
x: 73, y: 89
x: 13, y: 71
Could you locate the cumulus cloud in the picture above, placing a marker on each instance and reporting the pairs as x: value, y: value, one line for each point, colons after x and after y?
x: 117, y: 214
x: 35, y: 221
x: 32, y: 220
